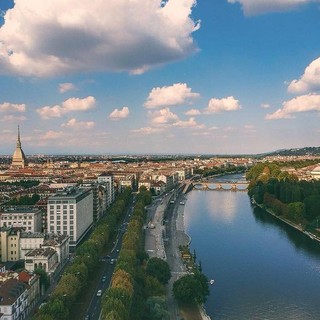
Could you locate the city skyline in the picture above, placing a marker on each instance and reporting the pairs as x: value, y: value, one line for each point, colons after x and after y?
x: 165, y: 77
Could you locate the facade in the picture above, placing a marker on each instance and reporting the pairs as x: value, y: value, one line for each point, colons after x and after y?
x: 70, y: 212
x: 42, y: 258
x: 34, y: 293
x: 10, y: 244
x: 29, y: 218
x: 30, y: 241
x: 19, y: 160
x: 315, y: 173
x: 107, y: 181
x: 14, y: 299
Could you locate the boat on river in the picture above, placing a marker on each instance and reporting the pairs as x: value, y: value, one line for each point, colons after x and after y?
x: 211, y: 281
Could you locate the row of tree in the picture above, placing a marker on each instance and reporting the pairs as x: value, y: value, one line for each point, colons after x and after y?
x: 296, y: 200
x: 219, y: 170
x: 137, y: 288
x: 75, y: 277
x: 24, y: 200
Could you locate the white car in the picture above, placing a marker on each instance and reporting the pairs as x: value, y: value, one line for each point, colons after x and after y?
x: 99, y: 293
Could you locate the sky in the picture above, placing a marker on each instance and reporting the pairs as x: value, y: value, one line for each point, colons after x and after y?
x: 159, y: 77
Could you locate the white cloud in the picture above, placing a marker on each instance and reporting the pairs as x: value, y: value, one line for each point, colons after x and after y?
x: 147, y: 130
x: 64, y: 87
x: 54, y: 37
x: 10, y: 117
x: 193, y: 112
x: 73, y: 123
x: 265, y: 105
x: 163, y: 116
x: 119, y: 114
x: 191, y: 123
x: 309, y: 81
x: 177, y: 94
x: 305, y: 103
x: 52, y: 135
x: 249, y: 128
x: 12, y: 107
x: 224, y: 104
x: 253, y: 7
x: 69, y: 105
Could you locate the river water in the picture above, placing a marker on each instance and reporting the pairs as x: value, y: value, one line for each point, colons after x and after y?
x: 263, y: 269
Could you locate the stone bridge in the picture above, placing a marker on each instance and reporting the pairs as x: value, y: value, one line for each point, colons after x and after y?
x: 221, y: 185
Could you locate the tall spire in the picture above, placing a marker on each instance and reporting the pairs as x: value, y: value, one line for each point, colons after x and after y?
x: 18, y: 140
x: 19, y: 159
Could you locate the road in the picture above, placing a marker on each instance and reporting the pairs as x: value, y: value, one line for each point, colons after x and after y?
x: 94, y: 309
x: 168, y: 237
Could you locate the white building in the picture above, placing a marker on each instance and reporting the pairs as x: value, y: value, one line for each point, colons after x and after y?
x: 315, y: 173
x: 70, y: 212
x: 42, y: 258
x: 107, y: 181
x: 25, y: 217
x: 30, y: 241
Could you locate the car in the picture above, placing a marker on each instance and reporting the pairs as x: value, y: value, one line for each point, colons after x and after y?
x: 99, y: 293
x: 104, y: 279
x: 87, y: 317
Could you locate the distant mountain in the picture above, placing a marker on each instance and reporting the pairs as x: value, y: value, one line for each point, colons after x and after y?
x: 311, y: 151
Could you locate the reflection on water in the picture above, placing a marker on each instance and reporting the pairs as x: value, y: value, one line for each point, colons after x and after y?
x: 263, y: 269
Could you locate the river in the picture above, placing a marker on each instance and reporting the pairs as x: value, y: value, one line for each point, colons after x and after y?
x: 263, y: 269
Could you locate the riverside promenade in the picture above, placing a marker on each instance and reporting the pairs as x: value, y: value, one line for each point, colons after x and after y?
x: 163, y: 242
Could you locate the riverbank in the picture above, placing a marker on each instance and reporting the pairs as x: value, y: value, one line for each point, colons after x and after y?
x: 288, y: 222
x: 177, y: 237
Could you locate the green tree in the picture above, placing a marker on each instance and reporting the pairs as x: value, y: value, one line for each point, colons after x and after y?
x: 56, y: 309
x: 156, y: 309
x: 44, y: 279
x: 191, y: 289
x: 159, y: 269
x: 295, y: 211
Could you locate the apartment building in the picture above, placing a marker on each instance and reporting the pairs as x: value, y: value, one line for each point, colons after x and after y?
x: 107, y: 182
x: 70, y: 212
x: 25, y: 217
x: 14, y: 299
x: 10, y: 244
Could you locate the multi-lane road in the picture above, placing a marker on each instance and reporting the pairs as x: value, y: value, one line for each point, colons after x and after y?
x: 109, y: 260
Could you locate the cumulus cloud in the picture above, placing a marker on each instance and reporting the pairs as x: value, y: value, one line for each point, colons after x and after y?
x: 191, y: 123
x: 253, y: 7
x: 119, y: 114
x: 73, y: 123
x: 163, y: 116
x: 69, y: 105
x: 147, y: 130
x: 54, y: 37
x: 305, y: 103
x: 11, y: 117
x: 177, y: 94
x: 193, y: 112
x: 64, y: 87
x: 224, y: 104
x: 52, y: 135
x: 309, y: 81
x: 12, y: 107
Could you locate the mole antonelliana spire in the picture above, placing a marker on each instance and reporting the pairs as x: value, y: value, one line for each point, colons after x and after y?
x: 18, y: 158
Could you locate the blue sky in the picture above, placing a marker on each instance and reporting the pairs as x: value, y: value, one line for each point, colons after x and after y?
x: 175, y: 76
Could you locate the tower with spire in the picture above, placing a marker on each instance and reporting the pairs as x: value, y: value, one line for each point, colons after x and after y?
x: 18, y: 158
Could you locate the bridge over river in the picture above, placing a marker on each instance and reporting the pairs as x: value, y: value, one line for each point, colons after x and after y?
x: 219, y: 185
